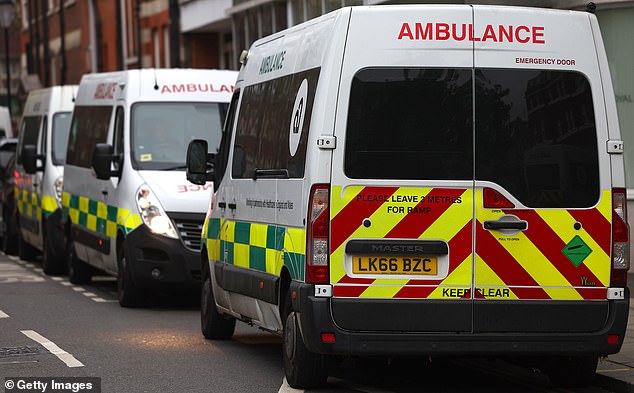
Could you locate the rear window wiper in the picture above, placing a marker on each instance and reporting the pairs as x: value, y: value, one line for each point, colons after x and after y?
x: 270, y: 173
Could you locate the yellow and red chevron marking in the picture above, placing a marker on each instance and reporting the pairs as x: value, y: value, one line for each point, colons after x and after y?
x: 528, y: 265
x: 532, y: 263
x: 448, y: 216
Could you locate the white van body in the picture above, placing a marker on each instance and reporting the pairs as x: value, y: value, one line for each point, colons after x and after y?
x: 423, y: 180
x: 44, y: 124
x: 6, y: 126
x: 109, y: 224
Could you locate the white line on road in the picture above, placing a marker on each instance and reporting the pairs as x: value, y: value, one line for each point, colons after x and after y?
x: 285, y: 388
x: 66, y: 283
x: 3, y: 314
x: 78, y: 289
x: 53, y: 348
x: 89, y: 294
x: 57, y: 278
x: 13, y: 258
x: 101, y: 300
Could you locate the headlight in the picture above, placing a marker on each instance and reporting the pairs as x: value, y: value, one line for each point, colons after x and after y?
x: 153, y: 214
x: 59, y: 183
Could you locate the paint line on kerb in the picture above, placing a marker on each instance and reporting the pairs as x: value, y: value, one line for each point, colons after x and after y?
x: 285, y: 388
x: 3, y: 314
x: 53, y: 348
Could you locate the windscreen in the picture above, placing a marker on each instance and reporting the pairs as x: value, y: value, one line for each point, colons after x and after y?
x: 61, y: 126
x: 161, y: 132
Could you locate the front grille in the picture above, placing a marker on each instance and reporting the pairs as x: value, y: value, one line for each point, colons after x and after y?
x: 189, y: 228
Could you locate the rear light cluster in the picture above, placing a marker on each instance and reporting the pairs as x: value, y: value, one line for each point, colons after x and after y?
x: 317, y: 235
x: 620, y: 239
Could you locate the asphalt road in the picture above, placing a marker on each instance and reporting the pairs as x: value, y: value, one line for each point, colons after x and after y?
x: 50, y: 328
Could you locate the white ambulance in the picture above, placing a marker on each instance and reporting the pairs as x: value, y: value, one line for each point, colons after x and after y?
x: 41, y: 153
x: 422, y: 180
x: 128, y: 208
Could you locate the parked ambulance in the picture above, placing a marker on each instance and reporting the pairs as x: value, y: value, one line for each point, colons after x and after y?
x: 422, y: 180
x: 41, y: 153
x: 128, y: 208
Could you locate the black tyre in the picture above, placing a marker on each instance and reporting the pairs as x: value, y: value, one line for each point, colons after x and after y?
x: 129, y: 293
x: 303, y: 369
x: 78, y: 271
x: 9, y: 238
x: 572, y: 371
x: 214, y: 326
x: 51, y: 264
x: 26, y: 252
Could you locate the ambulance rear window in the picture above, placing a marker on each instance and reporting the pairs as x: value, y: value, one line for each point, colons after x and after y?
x: 406, y: 123
x: 536, y: 136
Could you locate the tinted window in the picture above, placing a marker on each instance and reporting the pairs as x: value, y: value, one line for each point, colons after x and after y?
x: 61, y: 126
x: 410, y: 123
x: 88, y: 127
x: 222, y: 155
x: 29, y: 133
x: 270, y: 131
x: 161, y: 132
x: 536, y: 136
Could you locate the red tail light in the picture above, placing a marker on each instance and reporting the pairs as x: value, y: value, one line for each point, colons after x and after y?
x: 318, y: 235
x: 620, y: 239
x: 494, y: 200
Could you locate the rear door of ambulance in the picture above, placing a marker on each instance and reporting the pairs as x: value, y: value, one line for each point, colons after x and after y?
x: 402, y: 189
x: 543, y: 191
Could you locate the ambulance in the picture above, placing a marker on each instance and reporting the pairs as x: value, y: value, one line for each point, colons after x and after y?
x: 421, y: 180
x: 128, y: 209
x: 41, y: 153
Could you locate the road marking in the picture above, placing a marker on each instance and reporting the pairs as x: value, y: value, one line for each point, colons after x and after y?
x: 78, y: 289
x: 3, y: 314
x: 53, y: 348
x: 13, y: 273
x: 285, y: 388
x: 66, y: 284
x: 101, y: 300
x: 20, y: 362
x: 13, y: 258
x: 89, y: 294
x: 614, y: 370
x: 57, y: 278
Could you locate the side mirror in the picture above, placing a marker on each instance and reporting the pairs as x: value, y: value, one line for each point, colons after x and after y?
x: 199, y: 162
x: 29, y: 159
x: 102, y: 158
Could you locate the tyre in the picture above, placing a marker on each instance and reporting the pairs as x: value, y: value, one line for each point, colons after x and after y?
x: 214, y: 326
x: 9, y: 239
x: 129, y: 294
x: 26, y: 252
x: 303, y: 369
x: 51, y: 264
x: 572, y: 371
x: 78, y: 271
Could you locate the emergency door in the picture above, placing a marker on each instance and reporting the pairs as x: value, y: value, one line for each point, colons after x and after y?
x: 543, y: 205
x: 402, y: 178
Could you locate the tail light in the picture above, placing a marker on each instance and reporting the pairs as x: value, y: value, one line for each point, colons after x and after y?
x: 317, y: 235
x: 620, y: 239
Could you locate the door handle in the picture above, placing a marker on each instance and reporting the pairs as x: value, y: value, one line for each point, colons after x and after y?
x: 222, y: 205
x: 232, y: 206
x: 496, y: 225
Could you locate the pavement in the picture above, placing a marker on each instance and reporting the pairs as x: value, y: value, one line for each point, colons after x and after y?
x: 616, y: 372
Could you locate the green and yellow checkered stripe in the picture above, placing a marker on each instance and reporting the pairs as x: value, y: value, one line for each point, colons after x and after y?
x: 34, y: 205
x: 96, y: 216
x: 256, y: 246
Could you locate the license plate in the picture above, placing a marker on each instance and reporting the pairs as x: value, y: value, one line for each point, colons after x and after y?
x: 394, y: 265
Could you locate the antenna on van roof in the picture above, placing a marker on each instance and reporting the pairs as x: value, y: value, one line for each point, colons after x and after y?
x: 591, y: 7
x: 156, y: 86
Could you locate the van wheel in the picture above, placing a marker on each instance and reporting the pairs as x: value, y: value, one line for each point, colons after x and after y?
x: 26, y: 252
x: 50, y: 264
x: 213, y: 325
x: 78, y: 271
x: 303, y: 369
x: 9, y: 238
x: 129, y: 294
x: 572, y: 371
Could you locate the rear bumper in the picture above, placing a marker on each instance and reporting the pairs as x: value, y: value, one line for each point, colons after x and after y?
x: 316, y: 317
